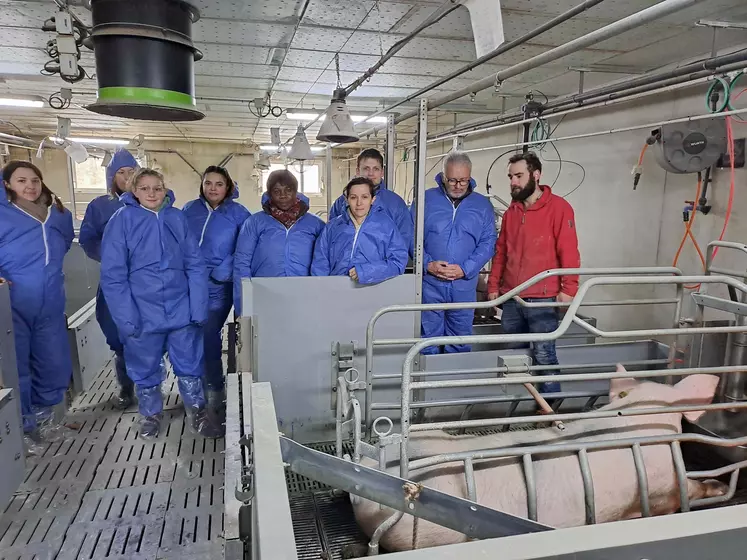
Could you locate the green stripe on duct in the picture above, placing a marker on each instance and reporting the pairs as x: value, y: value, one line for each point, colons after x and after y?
x: 148, y: 96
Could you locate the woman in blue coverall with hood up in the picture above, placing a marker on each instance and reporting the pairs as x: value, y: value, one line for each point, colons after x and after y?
x: 36, y: 231
x: 155, y: 284
x: 279, y: 241
x: 363, y: 243
x: 215, y: 219
x: 99, y: 211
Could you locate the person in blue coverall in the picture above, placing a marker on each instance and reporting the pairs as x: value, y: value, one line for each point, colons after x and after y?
x: 371, y: 165
x: 215, y: 219
x: 156, y: 286
x: 362, y: 243
x: 36, y: 231
x: 458, y: 240
x: 99, y: 211
x: 279, y: 241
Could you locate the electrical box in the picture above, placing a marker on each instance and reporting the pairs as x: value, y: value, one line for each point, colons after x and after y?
x: 725, y: 159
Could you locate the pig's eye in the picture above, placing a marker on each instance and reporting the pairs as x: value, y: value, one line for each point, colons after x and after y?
x: 623, y: 394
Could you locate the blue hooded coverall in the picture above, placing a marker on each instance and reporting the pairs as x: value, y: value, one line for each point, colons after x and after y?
x: 155, y: 283
x: 216, y: 231
x: 31, y: 257
x: 98, y: 213
x: 266, y: 248
x: 391, y: 202
x: 462, y: 234
x: 376, y: 249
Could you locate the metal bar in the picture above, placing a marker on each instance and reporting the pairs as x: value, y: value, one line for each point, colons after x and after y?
x: 504, y: 452
x: 469, y: 475
x: 460, y: 515
x: 733, y: 479
x: 531, y: 486
x: 275, y: 533
x: 489, y: 422
x: 728, y: 272
x: 391, y: 140
x: 656, y: 332
x: 233, y: 461
x: 633, y: 21
x: 490, y: 400
x: 420, y: 204
x: 524, y: 303
x: 721, y: 304
x: 583, y: 462
x: 505, y: 47
x: 680, y: 471
x: 328, y: 177
x: 507, y: 369
x: 640, y: 471
x: 645, y: 374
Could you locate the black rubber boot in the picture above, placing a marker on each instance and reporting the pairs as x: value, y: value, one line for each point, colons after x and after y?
x: 216, y: 404
x: 126, y: 396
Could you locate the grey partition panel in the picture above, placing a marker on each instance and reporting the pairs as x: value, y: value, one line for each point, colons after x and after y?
x: 88, y: 347
x: 8, y: 366
x: 12, y: 461
x: 295, y: 322
x: 81, y: 279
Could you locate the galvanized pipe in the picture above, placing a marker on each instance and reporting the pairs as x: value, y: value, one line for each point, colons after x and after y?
x: 633, y: 21
x: 418, y: 307
x: 533, y: 337
x: 491, y: 400
x: 635, y: 86
x: 505, y: 47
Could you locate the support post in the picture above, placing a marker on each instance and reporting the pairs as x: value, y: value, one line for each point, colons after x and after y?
x: 580, y: 81
x: 328, y: 178
x: 391, y: 140
x: 419, y: 199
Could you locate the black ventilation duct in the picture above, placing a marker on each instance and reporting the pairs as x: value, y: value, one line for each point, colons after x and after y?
x: 145, y: 59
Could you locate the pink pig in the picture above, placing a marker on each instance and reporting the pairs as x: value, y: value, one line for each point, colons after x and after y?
x: 560, y: 495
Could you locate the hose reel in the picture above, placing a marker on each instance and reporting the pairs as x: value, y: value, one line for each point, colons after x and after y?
x: 692, y: 146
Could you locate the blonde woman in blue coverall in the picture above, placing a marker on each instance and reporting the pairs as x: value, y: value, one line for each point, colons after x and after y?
x: 155, y: 283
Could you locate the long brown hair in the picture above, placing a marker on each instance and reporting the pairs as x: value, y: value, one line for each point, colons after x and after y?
x: 13, y: 166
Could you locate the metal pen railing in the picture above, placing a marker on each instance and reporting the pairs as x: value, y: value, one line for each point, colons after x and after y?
x: 527, y: 454
x: 371, y: 343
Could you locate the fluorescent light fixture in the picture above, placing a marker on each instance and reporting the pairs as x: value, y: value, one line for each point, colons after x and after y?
x: 356, y: 118
x: 274, y: 148
x: 102, y: 141
x: 11, y: 102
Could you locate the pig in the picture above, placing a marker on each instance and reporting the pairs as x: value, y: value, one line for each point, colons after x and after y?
x: 560, y: 496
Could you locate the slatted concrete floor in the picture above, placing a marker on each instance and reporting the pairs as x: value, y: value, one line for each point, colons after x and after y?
x: 104, y: 494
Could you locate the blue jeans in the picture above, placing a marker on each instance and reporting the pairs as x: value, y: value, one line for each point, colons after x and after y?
x: 517, y: 319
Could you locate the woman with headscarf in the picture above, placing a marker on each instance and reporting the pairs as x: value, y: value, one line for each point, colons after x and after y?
x: 215, y: 219
x: 155, y: 284
x: 36, y: 231
x: 279, y: 241
x: 362, y: 243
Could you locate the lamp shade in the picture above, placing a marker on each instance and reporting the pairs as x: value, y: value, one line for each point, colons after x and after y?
x: 337, y: 126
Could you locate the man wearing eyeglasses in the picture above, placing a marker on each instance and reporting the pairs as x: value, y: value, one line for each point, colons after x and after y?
x: 458, y: 240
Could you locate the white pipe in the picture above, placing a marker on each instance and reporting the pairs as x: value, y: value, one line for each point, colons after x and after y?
x: 601, y: 132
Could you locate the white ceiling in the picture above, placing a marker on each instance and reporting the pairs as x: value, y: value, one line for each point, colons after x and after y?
x: 251, y: 47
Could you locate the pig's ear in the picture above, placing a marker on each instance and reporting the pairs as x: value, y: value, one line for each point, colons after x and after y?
x: 696, y: 389
x: 619, y: 388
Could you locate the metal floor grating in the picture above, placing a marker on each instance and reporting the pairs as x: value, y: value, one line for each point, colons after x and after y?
x: 102, y: 493
x: 324, y: 526
x: 298, y: 484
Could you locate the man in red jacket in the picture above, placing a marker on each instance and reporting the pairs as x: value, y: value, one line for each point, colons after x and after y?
x: 538, y: 233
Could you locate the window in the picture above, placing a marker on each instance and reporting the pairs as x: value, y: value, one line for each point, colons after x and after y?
x: 89, y: 176
x: 310, y: 183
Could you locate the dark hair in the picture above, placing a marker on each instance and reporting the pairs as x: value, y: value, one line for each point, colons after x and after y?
x: 220, y: 171
x: 370, y: 153
x: 360, y: 181
x: 15, y: 165
x: 531, y: 159
x: 282, y: 177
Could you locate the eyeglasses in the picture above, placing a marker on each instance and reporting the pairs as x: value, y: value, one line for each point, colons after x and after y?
x: 154, y: 190
x: 461, y: 182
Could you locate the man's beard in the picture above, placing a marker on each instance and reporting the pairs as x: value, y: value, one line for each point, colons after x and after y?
x: 525, y: 192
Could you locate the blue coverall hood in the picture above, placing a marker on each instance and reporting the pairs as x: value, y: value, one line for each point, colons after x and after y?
x: 129, y: 199
x: 121, y: 158
x: 300, y: 196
